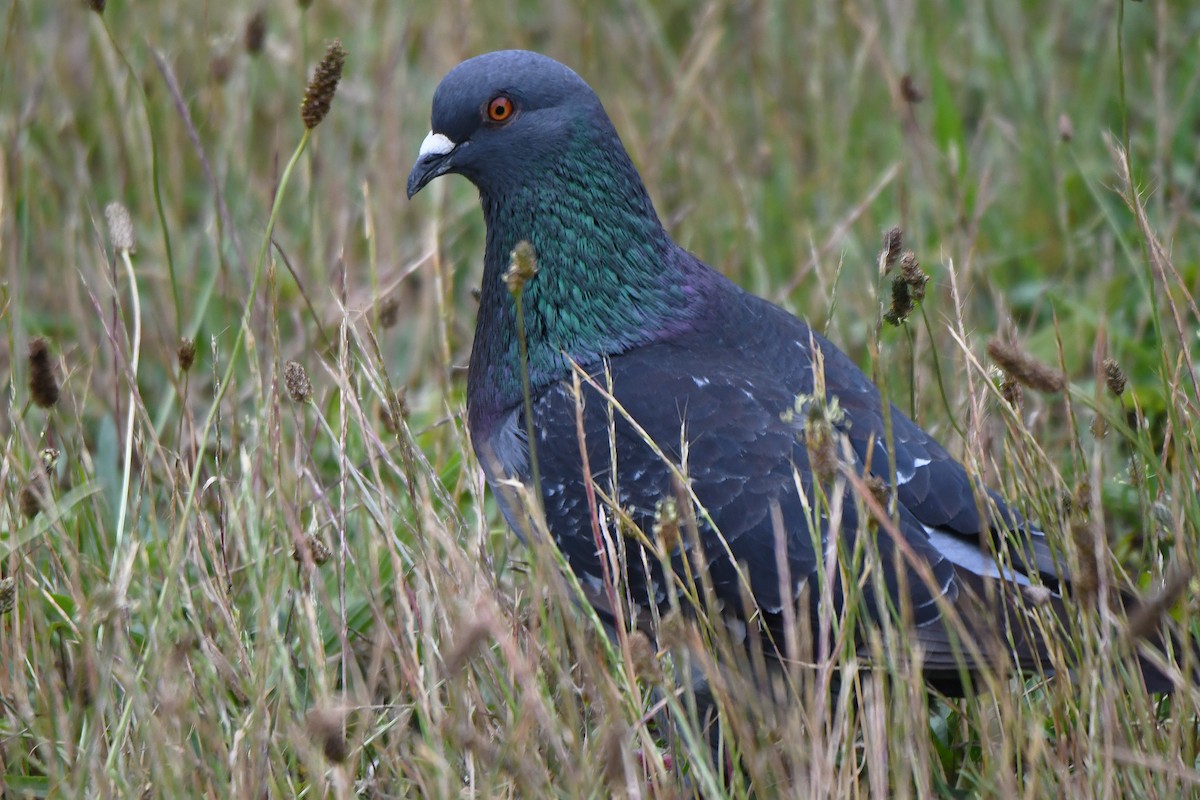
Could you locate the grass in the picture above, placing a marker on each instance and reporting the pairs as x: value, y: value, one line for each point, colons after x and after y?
x: 164, y: 636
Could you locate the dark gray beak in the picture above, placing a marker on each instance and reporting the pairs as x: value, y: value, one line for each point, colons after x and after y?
x: 433, y: 160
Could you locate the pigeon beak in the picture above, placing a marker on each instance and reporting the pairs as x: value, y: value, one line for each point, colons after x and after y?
x: 433, y: 160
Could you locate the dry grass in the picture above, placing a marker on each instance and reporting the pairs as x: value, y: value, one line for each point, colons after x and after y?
x: 215, y: 584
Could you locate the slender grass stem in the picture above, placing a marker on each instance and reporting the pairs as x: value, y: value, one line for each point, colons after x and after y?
x: 131, y: 414
x: 527, y: 399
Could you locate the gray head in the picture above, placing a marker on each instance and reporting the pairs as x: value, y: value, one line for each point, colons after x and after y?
x: 499, y: 116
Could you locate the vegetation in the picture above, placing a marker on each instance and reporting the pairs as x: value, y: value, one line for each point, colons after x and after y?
x: 246, y: 548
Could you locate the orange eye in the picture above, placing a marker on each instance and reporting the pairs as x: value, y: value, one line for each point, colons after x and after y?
x: 500, y: 108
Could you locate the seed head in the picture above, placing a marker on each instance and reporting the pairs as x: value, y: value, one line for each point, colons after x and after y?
x: 8, y: 594
x: 522, y: 266
x: 820, y: 434
x: 318, y: 96
x: 220, y: 67
x: 1036, y: 596
x: 908, y: 289
x: 644, y: 658
x: 43, y: 384
x: 666, y: 526
x: 120, y: 226
x: 186, y: 353
x: 1066, y: 131
x: 893, y: 243
x: 29, y: 500
x: 822, y: 452
x: 318, y: 551
x: 673, y: 631
x: 909, y: 90
x: 96, y: 5
x: 389, y: 311
x: 1079, y: 502
x: 295, y: 380
x: 327, y: 726
x: 1025, y: 368
x: 36, y: 491
x: 1011, y: 391
x: 1085, y: 581
x: 256, y: 32
x: 49, y: 456
x: 1114, y: 376
x: 879, y: 490
x: 614, y: 760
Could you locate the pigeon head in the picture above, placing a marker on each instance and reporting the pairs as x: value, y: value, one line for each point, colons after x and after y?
x: 551, y: 171
x: 500, y: 118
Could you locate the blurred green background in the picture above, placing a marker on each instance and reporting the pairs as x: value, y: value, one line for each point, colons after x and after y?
x: 779, y: 140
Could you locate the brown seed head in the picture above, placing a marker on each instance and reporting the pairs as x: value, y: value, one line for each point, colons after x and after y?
x: 666, y: 526
x: 1080, y: 502
x: 644, y: 658
x: 614, y: 759
x: 220, y: 67
x: 120, y: 226
x: 29, y: 501
x: 186, y: 353
x: 893, y: 243
x: 256, y: 32
x: 327, y: 727
x: 1066, y: 503
x: 909, y: 91
x: 822, y: 453
x: 1025, y: 368
x: 1011, y: 391
x: 522, y: 266
x: 1085, y: 581
x: 908, y: 289
x: 821, y: 437
x: 8, y: 594
x: 295, y: 380
x: 1036, y: 596
x: 913, y: 275
x: 389, y: 311
x: 35, y: 493
x: 879, y: 490
x: 318, y: 551
x: 318, y: 96
x: 1114, y: 376
x: 673, y: 630
x: 43, y: 385
x: 1066, y: 131
x: 96, y: 5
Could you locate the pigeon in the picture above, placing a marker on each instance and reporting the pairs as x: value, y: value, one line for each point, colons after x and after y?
x: 676, y: 422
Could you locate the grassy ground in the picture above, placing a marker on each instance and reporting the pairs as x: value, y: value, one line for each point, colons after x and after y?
x: 164, y: 640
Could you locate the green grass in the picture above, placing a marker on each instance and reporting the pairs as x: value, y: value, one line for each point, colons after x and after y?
x: 164, y: 640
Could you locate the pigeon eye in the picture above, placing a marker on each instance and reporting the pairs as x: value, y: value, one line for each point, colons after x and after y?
x: 500, y: 108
